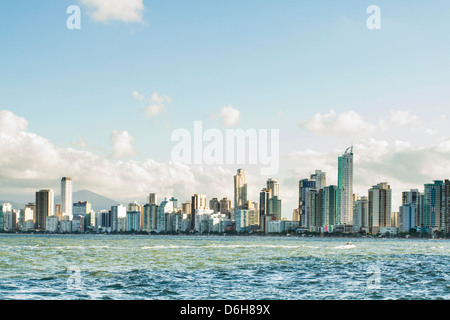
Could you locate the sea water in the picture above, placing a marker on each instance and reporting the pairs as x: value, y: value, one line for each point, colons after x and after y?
x: 132, y: 267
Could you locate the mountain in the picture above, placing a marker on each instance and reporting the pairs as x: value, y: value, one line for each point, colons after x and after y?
x: 14, y: 204
x: 98, y: 202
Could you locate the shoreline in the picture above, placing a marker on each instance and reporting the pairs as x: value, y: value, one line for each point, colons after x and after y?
x: 253, y: 235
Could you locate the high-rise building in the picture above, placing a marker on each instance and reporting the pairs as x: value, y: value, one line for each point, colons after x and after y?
x: 320, y: 178
x: 406, y: 217
x: 447, y: 205
x: 274, y: 186
x: 329, y: 207
x: 316, y: 221
x: 118, y: 216
x: 44, y: 207
x: 304, y: 201
x: 150, y: 217
x: 198, y: 202
x: 344, y: 210
x: 295, y: 215
x: 264, y: 197
x: 81, y: 208
x: 186, y: 207
x: 30, y: 213
x: 275, y: 207
x: 433, y: 215
x: 152, y: 198
x: 81, y: 212
x: 225, y: 207
x: 175, y: 203
x: 360, y: 213
x: 5, y: 210
x: 133, y: 222
x: 240, y: 189
x: 247, y: 220
x: 136, y: 207
x: 414, y: 198
x: 380, y: 205
x: 66, y: 197
x: 164, y: 208
x: 214, y: 205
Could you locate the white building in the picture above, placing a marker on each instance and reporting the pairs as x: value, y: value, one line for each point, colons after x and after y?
x: 66, y: 197
x: 52, y: 224
x: 10, y: 221
x: 219, y: 223
x: 391, y: 230
x: 344, y: 199
x: 202, y: 217
x: 320, y: 178
x: 65, y: 225
x: 380, y: 207
x: 247, y: 220
x: 118, y: 213
x: 279, y: 226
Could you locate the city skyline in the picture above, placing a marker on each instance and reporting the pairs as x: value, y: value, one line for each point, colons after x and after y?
x: 317, y: 176
x: 321, y: 208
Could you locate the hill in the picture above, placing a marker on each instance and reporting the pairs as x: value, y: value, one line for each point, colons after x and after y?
x: 98, y: 201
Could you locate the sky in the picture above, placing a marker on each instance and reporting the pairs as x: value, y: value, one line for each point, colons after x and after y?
x: 100, y: 104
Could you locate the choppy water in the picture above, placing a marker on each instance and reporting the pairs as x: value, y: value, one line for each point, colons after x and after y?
x: 72, y: 267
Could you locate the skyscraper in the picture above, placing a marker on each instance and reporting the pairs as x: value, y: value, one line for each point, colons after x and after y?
x: 214, y: 205
x: 320, y: 178
x: 240, y: 189
x: 225, y: 207
x: 447, y: 205
x: 44, y: 207
x: 413, y: 198
x: 360, y: 213
x: 432, y: 205
x: 274, y: 186
x: 344, y: 212
x: 329, y: 207
x: 118, y: 216
x: 380, y: 205
x: 304, y: 201
x: 66, y: 197
x: 198, y: 202
x: 152, y: 198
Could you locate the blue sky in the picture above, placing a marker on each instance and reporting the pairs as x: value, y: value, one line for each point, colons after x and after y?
x: 279, y: 63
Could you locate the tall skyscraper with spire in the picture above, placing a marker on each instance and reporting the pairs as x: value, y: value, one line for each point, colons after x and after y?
x: 344, y: 210
x: 66, y: 197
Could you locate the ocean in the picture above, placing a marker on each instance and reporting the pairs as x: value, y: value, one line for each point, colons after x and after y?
x: 151, y: 267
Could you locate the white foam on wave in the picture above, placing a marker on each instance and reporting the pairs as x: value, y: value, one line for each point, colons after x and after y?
x: 347, y: 246
x: 222, y: 246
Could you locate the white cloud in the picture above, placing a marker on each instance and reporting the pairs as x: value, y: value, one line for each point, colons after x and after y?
x: 30, y: 162
x: 11, y: 123
x: 115, y: 10
x: 401, y: 164
x: 431, y: 131
x: 333, y: 124
x: 230, y: 116
x: 81, y: 143
x: 122, y: 145
x: 403, y: 118
x: 138, y: 96
x: 157, y: 105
